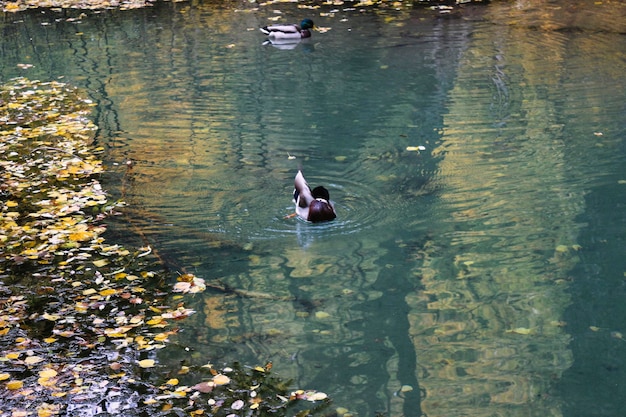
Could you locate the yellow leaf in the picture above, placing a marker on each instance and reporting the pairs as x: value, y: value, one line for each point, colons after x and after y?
x: 4, y: 376
x: 81, y: 236
x: 51, y: 317
x: 172, y: 381
x: 107, y: 292
x: 146, y: 363
x: 185, y: 278
x: 520, y: 330
x: 13, y: 355
x: 100, y: 263
x: 47, y: 373
x: 31, y: 360
x: 155, y: 321
x: 161, y: 337
x: 322, y: 315
x: 44, y: 412
x: 14, y: 385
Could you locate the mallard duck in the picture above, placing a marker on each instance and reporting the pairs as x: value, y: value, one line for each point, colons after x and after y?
x: 312, y: 205
x: 289, y: 32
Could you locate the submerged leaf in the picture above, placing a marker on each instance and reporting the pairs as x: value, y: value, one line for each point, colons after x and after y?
x: 520, y: 330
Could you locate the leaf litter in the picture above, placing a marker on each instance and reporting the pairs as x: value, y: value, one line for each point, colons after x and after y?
x: 81, y: 319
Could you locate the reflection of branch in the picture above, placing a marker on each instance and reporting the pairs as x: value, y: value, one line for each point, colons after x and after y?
x: 227, y: 289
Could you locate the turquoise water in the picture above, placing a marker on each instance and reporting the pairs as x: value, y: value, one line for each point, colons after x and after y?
x: 483, y: 275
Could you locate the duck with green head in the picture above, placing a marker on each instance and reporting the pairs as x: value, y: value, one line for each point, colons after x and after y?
x: 312, y: 205
x: 289, y: 32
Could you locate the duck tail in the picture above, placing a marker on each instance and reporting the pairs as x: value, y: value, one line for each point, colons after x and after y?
x: 302, y: 190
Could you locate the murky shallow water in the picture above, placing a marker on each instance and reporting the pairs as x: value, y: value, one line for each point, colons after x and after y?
x: 484, y: 273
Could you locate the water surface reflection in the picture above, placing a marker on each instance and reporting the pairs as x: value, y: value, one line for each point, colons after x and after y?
x: 445, y: 284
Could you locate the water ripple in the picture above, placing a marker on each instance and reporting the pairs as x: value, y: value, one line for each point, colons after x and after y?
x: 356, y: 204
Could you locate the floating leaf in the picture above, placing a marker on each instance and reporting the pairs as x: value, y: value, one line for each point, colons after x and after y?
x: 81, y: 236
x: 204, y: 387
x: 221, y: 379
x: 415, y: 148
x: 100, y: 263
x: 32, y: 360
x: 237, y: 405
x: 14, y: 385
x: 47, y: 373
x: 146, y: 363
x: 316, y: 396
x: 51, y: 317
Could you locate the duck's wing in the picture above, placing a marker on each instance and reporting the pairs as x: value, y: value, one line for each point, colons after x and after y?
x: 268, y: 30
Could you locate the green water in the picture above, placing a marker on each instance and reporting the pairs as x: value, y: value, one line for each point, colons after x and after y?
x: 482, y: 276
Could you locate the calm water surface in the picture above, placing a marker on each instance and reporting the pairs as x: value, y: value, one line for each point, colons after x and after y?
x: 482, y: 276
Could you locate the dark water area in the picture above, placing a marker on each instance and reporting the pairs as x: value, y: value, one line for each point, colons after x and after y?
x: 479, y: 275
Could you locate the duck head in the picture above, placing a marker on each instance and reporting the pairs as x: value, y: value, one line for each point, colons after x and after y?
x: 307, y: 24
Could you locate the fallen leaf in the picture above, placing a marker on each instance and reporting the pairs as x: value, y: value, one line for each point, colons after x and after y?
x: 146, y: 363
x: 32, y: 360
x: 14, y: 385
x: 221, y: 379
x: 520, y: 330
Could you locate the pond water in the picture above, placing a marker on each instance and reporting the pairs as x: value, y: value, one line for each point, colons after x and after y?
x: 481, y: 276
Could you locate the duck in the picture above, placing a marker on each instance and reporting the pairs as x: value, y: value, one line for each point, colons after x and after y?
x: 312, y: 205
x: 289, y: 32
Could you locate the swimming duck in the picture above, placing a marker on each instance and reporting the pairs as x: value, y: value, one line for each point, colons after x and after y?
x: 312, y: 205
x: 289, y: 32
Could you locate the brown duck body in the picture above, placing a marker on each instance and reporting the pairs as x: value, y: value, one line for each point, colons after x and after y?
x: 312, y: 205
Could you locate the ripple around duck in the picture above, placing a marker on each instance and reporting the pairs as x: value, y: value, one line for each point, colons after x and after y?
x: 354, y: 202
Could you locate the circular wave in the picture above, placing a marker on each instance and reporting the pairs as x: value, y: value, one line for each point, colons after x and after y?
x: 356, y: 204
